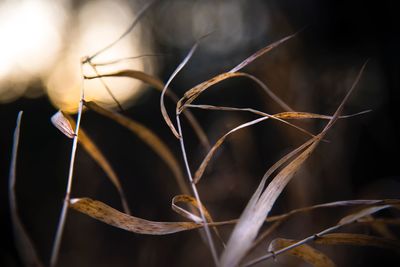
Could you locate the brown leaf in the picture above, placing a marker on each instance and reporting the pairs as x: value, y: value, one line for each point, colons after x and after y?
x: 304, y: 252
x: 189, y: 215
x: 92, y: 149
x: 108, y: 215
x: 159, y: 85
x: 62, y: 124
x: 261, y: 52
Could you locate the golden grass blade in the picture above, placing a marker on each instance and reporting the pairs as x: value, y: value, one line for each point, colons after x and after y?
x: 135, y: 74
x: 176, y: 71
x: 305, y: 252
x: 159, y: 85
x: 92, y: 149
x: 199, y: 173
x: 118, y: 60
x: 344, y: 203
x: 279, y: 117
x: 23, y: 243
x: 362, y: 213
x: 262, y: 201
x: 261, y: 52
x: 111, y: 216
x: 359, y: 240
x: 62, y: 123
x: 147, y: 136
x: 189, y: 215
x: 289, y: 115
x: 196, y: 91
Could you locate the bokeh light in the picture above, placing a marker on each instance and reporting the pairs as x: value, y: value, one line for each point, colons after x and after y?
x: 46, y: 39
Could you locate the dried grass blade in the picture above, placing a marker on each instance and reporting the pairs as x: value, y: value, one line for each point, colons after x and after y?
x: 343, y: 203
x: 261, y: 52
x: 261, y: 202
x: 147, y: 136
x: 362, y: 213
x: 135, y: 74
x: 62, y: 123
x: 359, y: 240
x: 194, y: 92
x: 92, y: 149
x: 25, y: 247
x: 111, y: 216
x: 289, y: 115
x: 189, y: 215
x: 176, y: 71
x: 304, y: 252
x: 159, y: 85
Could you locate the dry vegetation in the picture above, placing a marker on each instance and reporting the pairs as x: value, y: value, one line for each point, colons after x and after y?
x: 255, y: 224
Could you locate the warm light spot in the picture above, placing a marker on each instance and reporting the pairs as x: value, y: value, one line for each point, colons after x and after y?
x: 44, y: 40
x: 30, y: 41
x: 98, y: 24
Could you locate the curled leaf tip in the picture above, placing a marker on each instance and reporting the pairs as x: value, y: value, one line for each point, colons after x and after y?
x: 62, y: 124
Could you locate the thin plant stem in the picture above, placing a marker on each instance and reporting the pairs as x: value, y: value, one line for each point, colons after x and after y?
x: 115, y: 61
x: 196, y: 194
x: 64, y: 211
x: 125, y: 33
x: 106, y: 86
x: 273, y: 254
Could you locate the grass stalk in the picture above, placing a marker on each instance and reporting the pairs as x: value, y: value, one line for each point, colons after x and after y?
x: 196, y: 195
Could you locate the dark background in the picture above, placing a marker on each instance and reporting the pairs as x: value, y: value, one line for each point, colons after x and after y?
x: 311, y: 73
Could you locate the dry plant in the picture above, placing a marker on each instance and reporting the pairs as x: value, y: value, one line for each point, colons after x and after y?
x: 246, y: 234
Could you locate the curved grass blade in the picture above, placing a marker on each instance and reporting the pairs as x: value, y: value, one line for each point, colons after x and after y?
x: 343, y: 203
x: 111, y: 216
x: 279, y: 116
x: 305, y: 252
x: 159, y: 85
x: 189, y: 215
x: 125, y: 33
x: 262, y: 201
x: 63, y: 124
x: 115, y: 61
x: 359, y: 240
x: 362, y: 213
x: 147, y: 136
x: 288, y: 115
x: 200, y: 171
x: 92, y: 149
x: 196, y: 91
x: 24, y: 245
x: 176, y: 71
x: 261, y: 52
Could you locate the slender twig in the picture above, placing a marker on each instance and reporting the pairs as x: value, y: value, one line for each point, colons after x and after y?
x: 63, y: 215
x: 196, y: 194
x: 105, y: 63
x: 273, y: 254
x: 105, y: 86
x: 125, y: 33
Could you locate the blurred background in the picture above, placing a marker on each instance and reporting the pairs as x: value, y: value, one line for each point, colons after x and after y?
x: 40, y: 50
